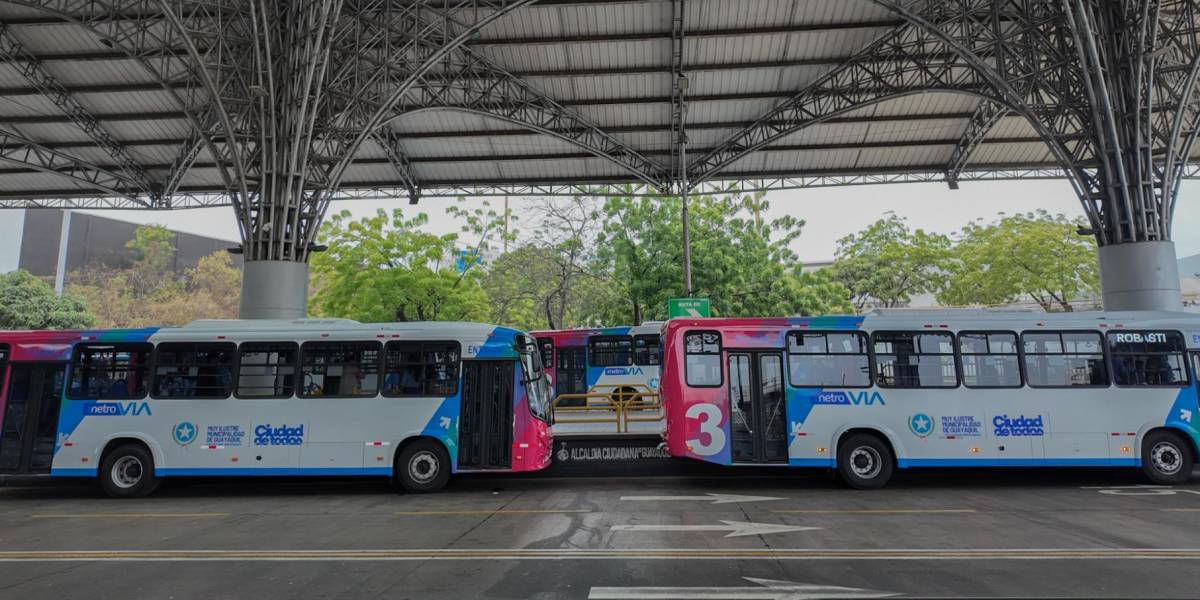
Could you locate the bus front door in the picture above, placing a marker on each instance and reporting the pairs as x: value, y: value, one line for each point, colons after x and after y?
x: 30, y: 420
x: 485, y: 428
x: 756, y: 401
x: 570, y: 374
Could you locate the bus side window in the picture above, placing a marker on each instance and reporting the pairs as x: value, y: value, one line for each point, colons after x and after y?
x: 1064, y: 359
x: 610, y: 351
x: 546, y: 345
x: 421, y: 369
x: 110, y: 371
x: 194, y: 370
x: 915, y: 359
x: 702, y: 358
x: 989, y: 359
x: 647, y: 350
x: 266, y: 369
x: 339, y: 369
x: 833, y: 359
x: 1148, y: 358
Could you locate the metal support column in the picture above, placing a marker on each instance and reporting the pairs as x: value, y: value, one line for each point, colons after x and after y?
x: 679, y: 139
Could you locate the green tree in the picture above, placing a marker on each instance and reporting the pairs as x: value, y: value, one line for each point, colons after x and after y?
x: 27, y: 302
x: 741, y: 261
x: 388, y: 268
x: 1036, y: 255
x: 887, y: 263
x: 150, y: 292
x: 544, y: 282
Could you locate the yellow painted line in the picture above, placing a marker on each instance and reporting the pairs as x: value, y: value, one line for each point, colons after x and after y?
x: 444, y: 513
x: 879, y: 511
x: 1181, y: 509
x: 609, y: 554
x: 130, y: 516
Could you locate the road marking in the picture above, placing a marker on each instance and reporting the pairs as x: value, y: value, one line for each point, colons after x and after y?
x: 715, y: 498
x: 767, y: 589
x: 771, y: 554
x: 1139, y: 490
x: 876, y: 511
x: 129, y: 516
x: 443, y: 513
x: 735, y: 528
x: 1180, y: 509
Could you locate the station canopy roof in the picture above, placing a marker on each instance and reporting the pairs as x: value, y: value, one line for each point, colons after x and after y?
x: 609, y: 64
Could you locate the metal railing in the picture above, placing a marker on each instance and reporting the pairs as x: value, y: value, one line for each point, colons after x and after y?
x: 620, y: 405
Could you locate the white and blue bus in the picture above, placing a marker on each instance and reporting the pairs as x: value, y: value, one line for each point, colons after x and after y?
x: 909, y: 388
x: 411, y: 401
x: 624, y: 361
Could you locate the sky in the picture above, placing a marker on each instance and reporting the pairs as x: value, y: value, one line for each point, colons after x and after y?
x: 829, y: 213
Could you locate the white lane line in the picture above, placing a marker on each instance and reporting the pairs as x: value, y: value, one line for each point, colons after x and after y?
x: 714, y: 498
x: 767, y: 589
x: 734, y: 528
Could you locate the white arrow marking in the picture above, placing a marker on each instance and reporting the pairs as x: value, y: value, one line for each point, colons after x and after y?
x: 445, y: 421
x: 716, y: 498
x: 734, y: 528
x: 692, y: 312
x: 768, y: 589
x: 1185, y: 414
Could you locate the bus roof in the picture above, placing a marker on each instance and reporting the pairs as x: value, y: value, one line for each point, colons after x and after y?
x: 960, y: 319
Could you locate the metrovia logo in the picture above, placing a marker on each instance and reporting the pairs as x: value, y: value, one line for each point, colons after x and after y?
x: 857, y: 398
x: 116, y: 409
x: 623, y: 371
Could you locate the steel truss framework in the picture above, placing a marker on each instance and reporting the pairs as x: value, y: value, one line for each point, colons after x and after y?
x: 281, y: 96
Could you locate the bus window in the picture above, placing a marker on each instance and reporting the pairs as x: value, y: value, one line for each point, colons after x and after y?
x: 610, y: 351
x: 1148, y: 358
x: 647, y: 350
x: 266, y: 370
x: 989, y: 359
x: 421, y: 369
x: 345, y: 369
x: 110, y: 371
x: 194, y: 370
x: 1064, y: 359
x: 828, y: 359
x: 702, y: 358
x: 547, y: 347
x: 915, y: 359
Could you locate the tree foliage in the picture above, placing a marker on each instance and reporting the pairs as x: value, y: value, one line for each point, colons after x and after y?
x: 150, y: 292
x: 1036, y: 256
x: 27, y: 302
x: 388, y: 268
x: 741, y: 261
x: 888, y: 263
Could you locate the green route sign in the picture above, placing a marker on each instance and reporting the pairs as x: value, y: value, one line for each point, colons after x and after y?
x: 688, y: 307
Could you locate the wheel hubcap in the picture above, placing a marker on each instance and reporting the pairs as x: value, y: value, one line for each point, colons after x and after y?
x: 127, y: 471
x: 1166, y: 458
x: 865, y: 462
x: 423, y: 467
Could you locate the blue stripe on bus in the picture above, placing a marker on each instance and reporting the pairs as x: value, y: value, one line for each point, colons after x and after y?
x: 251, y: 471
x: 228, y: 472
x: 1018, y: 462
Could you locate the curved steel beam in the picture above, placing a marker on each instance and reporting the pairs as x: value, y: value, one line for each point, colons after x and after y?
x: 17, y: 149
x: 985, y: 117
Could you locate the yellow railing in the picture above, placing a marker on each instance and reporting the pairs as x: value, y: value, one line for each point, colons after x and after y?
x: 619, y: 405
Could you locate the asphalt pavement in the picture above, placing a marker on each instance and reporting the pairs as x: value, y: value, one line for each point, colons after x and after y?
x: 748, y: 534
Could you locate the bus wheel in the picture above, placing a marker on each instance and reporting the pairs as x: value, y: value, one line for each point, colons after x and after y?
x: 864, y: 462
x: 128, y: 472
x: 423, y: 466
x: 1166, y: 458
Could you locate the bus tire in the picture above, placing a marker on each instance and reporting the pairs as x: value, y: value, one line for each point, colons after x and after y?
x: 864, y: 462
x: 1166, y: 458
x: 128, y: 472
x: 423, y: 466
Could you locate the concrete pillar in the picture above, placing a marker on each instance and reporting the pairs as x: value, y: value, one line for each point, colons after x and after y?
x: 1140, y: 276
x: 274, y: 289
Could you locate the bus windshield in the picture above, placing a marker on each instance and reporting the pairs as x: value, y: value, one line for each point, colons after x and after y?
x: 535, y: 377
